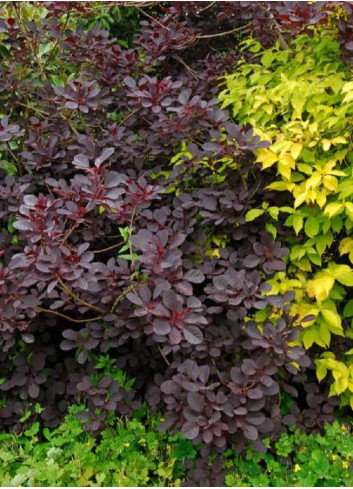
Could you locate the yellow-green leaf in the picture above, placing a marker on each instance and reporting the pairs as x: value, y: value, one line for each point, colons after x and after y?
x: 348, y: 98
x: 300, y: 199
x: 333, y: 209
x: 321, y: 286
x: 284, y: 169
x: 296, y: 150
x: 332, y: 318
x: 342, y: 273
x: 281, y: 186
x: 266, y: 157
x: 253, y: 214
x: 346, y: 246
x: 347, y: 87
x: 341, y: 385
x: 325, y: 334
x: 297, y: 223
x: 349, y: 210
x: 326, y: 144
x: 309, y: 338
x: 321, y: 371
x: 330, y: 182
x: 313, y: 181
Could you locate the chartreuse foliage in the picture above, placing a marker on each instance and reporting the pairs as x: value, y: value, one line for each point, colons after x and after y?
x: 300, y: 100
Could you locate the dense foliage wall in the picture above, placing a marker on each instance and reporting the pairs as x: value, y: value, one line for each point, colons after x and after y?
x: 146, y: 254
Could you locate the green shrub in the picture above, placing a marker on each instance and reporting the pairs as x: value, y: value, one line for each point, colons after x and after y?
x: 298, y: 460
x: 135, y: 453
x: 128, y: 453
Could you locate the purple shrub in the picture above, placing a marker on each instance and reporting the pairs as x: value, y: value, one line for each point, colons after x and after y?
x: 107, y: 248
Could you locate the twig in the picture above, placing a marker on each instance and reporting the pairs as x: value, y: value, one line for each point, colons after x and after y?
x: 74, y: 296
x: 226, y: 33
x: 49, y: 311
x: 121, y: 4
x: 130, y: 232
x: 153, y: 19
x: 208, y: 6
x: 165, y: 358
x: 17, y: 12
x: 108, y: 249
x: 57, y: 41
x: 218, y: 374
x: 40, y: 111
x: 121, y: 297
x: 255, y: 189
x: 187, y: 67
x: 283, y: 43
x: 17, y: 161
x: 127, y: 117
x: 68, y: 234
x: 73, y: 128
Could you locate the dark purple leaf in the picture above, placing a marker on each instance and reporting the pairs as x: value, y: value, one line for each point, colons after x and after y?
x: 195, y: 276
x: 190, y: 430
x: 195, y: 401
x: 169, y: 387
x: 193, y: 335
x: 250, y: 432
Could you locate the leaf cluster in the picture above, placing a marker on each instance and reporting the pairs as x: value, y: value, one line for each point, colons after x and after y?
x: 304, y: 112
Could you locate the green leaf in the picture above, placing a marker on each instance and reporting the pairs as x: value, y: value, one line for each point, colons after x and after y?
x: 4, y: 51
x: 311, y: 227
x: 33, y: 430
x: 133, y: 256
x: 9, y: 168
x: 323, y: 241
x: 348, y: 309
x: 315, y: 258
x: 273, y: 211
x: 125, y: 233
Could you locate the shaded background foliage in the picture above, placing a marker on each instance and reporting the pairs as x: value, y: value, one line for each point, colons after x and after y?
x: 125, y: 252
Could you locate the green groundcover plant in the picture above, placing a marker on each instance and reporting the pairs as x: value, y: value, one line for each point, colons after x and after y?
x: 127, y: 453
x: 135, y: 453
x: 298, y: 460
